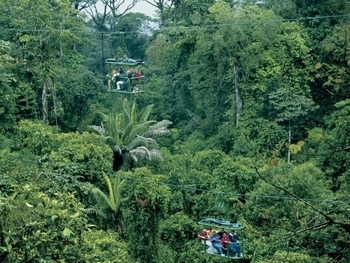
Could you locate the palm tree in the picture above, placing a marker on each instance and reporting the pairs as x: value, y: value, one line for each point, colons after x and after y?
x: 110, y: 202
x: 131, y: 136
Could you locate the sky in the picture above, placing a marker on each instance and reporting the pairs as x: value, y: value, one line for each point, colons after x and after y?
x: 143, y: 7
x: 140, y: 7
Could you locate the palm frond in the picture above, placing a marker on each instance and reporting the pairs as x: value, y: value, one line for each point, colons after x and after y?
x: 118, y: 185
x: 149, y: 124
x: 138, y: 141
x: 111, y: 192
x: 102, y: 200
x: 158, y: 132
x: 161, y: 124
x: 158, y: 129
x: 132, y: 158
x: 133, y: 113
x: 126, y: 108
x: 99, y: 129
x: 117, y: 149
x: 156, y: 154
x: 98, y: 211
x: 109, y: 127
x: 152, y: 144
x: 115, y: 127
x: 138, y: 129
x: 126, y: 115
x: 126, y: 138
x: 141, y: 153
x: 110, y: 141
x: 145, y: 113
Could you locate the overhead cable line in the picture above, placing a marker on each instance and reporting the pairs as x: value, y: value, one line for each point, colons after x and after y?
x: 196, y: 189
x: 191, y: 188
x: 184, y: 27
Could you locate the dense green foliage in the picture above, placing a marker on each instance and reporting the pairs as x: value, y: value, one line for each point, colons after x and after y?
x: 245, y: 116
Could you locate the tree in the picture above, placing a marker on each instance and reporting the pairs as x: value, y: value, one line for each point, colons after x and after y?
x: 82, y: 4
x: 332, y: 145
x: 290, y: 107
x: 170, y: 76
x: 145, y: 206
x: 163, y: 7
x: 104, y: 246
x: 246, y: 59
x: 74, y: 154
x: 132, y: 135
x: 109, y: 202
x: 301, y: 212
x: 173, y: 231
x: 111, y: 9
x: 7, y: 95
x: 317, y: 29
x: 136, y: 29
x: 77, y: 90
x: 35, y: 226
x: 331, y: 70
x: 43, y: 32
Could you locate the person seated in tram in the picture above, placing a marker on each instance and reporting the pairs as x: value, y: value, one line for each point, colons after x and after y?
x: 122, y: 84
x: 112, y: 78
x: 135, y: 88
x: 130, y: 73
x: 211, y: 231
x: 225, y: 241
x: 121, y: 70
x: 203, y: 234
x: 215, y: 240
x: 126, y: 84
x: 122, y: 73
x: 118, y: 77
x: 136, y: 79
x: 137, y: 73
x: 235, y: 246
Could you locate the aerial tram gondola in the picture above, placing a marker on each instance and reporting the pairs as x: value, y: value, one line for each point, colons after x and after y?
x: 221, y: 225
x: 124, y: 81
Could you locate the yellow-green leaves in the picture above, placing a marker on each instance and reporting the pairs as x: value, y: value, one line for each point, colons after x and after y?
x: 67, y: 232
x: 295, y: 148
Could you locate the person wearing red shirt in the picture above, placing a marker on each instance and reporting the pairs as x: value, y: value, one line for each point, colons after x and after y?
x: 225, y: 241
x: 204, y: 234
x: 137, y: 73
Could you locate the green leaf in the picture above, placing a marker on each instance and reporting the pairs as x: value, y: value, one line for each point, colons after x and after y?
x: 24, y: 38
x: 53, y: 218
x: 67, y: 232
x: 75, y: 215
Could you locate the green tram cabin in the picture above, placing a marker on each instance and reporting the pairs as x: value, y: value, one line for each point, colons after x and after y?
x: 125, y: 75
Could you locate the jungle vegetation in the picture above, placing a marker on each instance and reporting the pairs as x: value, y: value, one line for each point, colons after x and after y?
x: 245, y: 116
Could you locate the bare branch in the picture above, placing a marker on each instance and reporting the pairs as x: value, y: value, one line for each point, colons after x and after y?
x: 101, y: 9
x: 330, y: 220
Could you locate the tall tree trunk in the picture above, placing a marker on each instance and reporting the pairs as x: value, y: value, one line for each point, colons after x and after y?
x: 238, y: 97
x: 44, y: 103
x: 47, y: 86
x: 289, y: 140
x: 103, y: 52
